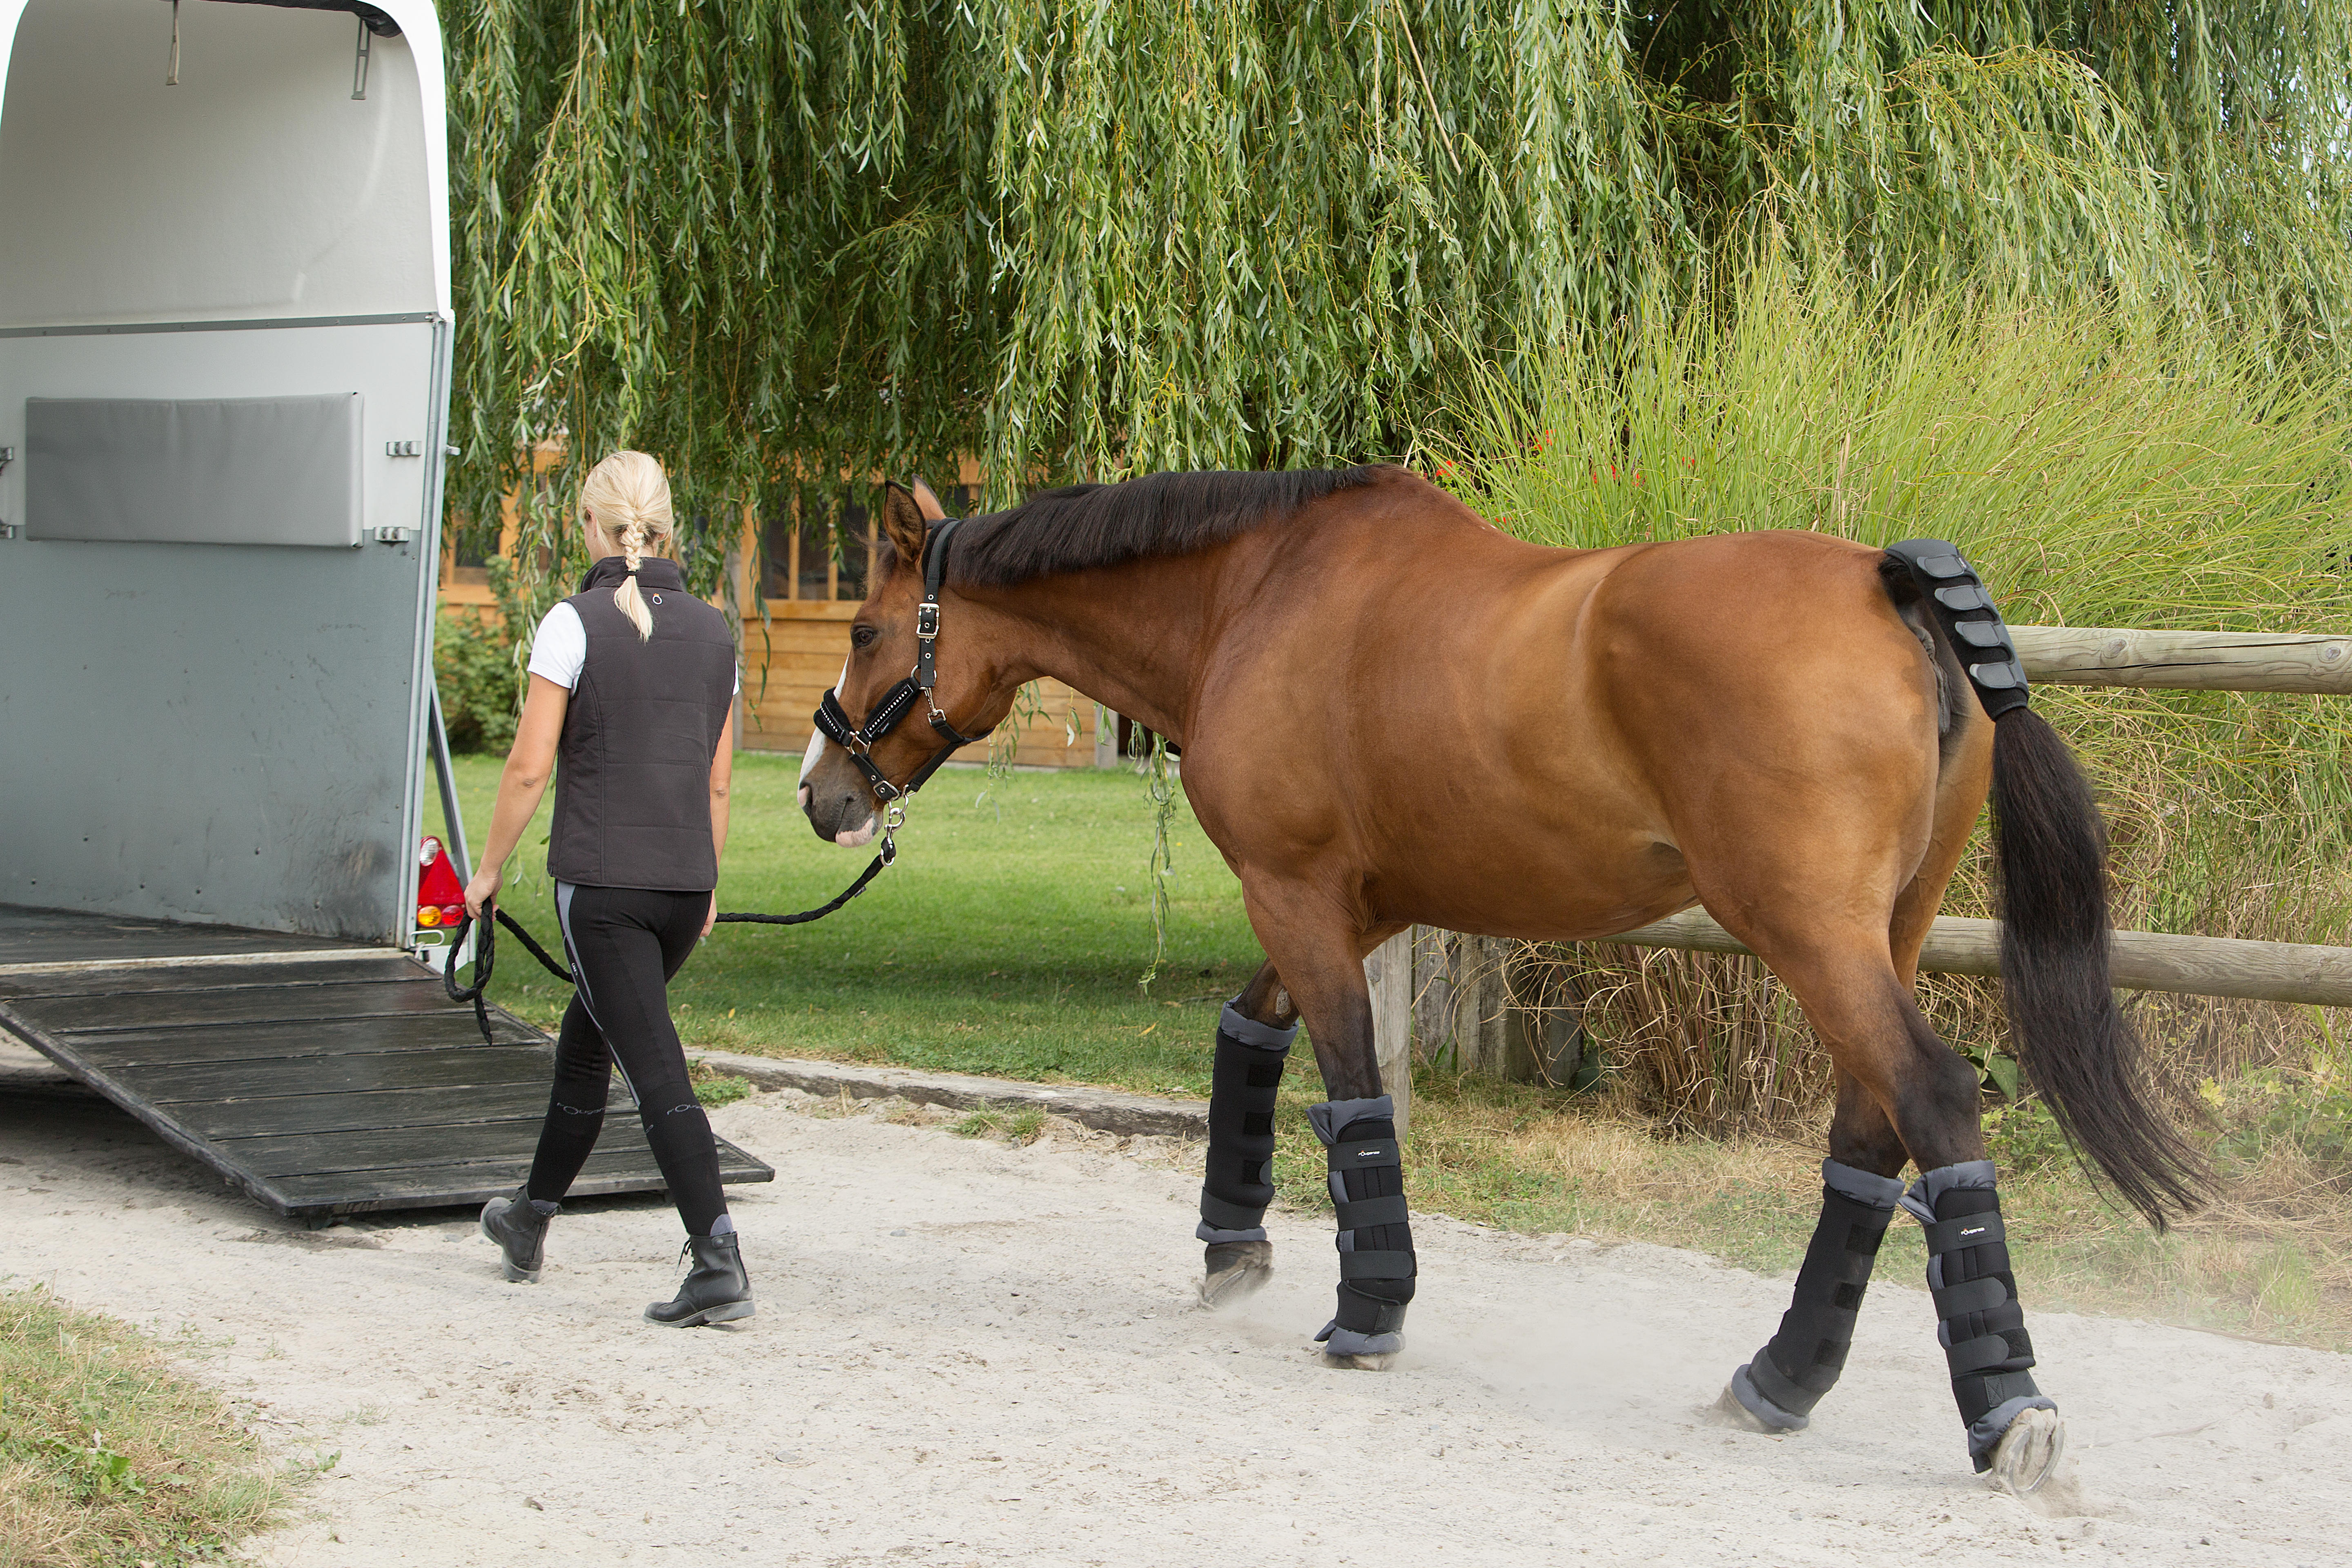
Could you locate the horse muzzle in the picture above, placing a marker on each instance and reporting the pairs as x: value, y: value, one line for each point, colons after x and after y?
x: 840, y: 814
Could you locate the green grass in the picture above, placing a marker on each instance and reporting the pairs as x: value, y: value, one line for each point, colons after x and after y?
x: 1008, y: 939
x: 107, y: 1455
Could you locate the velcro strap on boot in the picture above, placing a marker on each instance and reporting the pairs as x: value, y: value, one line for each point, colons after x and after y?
x: 1357, y: 1213
x: 1376, y: 1265
x: 1785, y: 1396
x: 1362, y: 1314
x: 1968, y: 1230
x: 1974, y: 1296
x: 1222, y: 1213
x: 1982, y: 1354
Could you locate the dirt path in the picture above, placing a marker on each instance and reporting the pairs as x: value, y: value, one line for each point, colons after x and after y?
x: 970, y: 1352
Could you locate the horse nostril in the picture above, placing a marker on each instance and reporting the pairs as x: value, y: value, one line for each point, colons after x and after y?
x: 807, y: 794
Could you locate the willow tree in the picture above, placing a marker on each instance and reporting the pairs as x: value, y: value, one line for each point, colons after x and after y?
x: 777, y: 241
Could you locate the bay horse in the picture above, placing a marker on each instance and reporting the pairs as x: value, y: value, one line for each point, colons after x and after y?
x: 1391, y: 713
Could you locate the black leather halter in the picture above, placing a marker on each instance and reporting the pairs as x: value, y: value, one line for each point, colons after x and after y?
x: 833, y: 721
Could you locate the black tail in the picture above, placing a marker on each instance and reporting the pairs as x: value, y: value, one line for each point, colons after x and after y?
x: 2078, y: 1051
x: 2077, y: 1048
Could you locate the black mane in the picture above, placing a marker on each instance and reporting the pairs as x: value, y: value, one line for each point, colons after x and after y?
x: 1078, y: 527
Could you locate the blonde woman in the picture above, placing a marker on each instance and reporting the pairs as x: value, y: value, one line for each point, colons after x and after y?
x: 630, y: 704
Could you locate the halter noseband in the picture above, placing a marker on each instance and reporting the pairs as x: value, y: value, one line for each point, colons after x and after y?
x: 833, y: 721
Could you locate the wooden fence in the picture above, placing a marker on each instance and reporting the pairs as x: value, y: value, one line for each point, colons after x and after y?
x: 1417, y: 976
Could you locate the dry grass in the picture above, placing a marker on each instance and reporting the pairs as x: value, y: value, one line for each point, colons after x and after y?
x: 109, y: 1457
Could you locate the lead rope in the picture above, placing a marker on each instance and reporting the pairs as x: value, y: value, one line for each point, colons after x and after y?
x: 486, y: 954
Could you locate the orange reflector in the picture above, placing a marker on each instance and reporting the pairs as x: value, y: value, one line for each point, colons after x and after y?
x: 426, y: 915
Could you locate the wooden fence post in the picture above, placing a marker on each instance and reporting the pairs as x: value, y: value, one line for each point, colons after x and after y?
x: 1389, y: 971
x: 1503, y: 1012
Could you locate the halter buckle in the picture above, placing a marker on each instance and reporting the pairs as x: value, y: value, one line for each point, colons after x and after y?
x: 927, y: 620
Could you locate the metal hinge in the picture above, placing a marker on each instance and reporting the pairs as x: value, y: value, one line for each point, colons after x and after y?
x: 403, y: 448
x: 391, y: 535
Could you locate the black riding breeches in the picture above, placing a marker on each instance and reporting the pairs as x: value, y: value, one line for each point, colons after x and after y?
x: 625, y: 944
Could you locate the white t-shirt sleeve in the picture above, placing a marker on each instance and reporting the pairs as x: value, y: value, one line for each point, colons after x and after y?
x: 559, y: 651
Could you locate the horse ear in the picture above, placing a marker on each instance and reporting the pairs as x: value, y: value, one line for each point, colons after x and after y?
x: 902, y: 522
x: 928, y: 499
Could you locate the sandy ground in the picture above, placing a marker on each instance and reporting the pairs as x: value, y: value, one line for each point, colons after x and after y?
x: 972, y: 1352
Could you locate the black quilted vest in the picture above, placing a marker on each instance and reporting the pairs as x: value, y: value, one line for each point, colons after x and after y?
x: 633, y: 770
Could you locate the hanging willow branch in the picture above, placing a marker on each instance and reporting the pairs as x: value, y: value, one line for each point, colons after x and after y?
x: 786, y: 245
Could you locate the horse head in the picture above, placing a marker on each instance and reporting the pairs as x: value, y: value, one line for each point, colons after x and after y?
x: 898, y: 715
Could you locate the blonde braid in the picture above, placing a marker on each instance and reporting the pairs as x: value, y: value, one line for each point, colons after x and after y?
x: 627, y: 599
x: 629, y: 495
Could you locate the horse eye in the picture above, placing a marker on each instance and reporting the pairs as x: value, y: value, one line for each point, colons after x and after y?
x: 863, y: 636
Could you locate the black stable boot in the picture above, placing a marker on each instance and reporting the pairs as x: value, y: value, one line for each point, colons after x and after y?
x: 519, y: 1227
x: 717, y: 1290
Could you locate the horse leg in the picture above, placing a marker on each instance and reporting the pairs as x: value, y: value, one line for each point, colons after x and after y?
x: 1847, y: 984
x: 1253, y: 1037
x: 1860, y: 1189
x: 1318, y: 947
x: 1778, y: 1390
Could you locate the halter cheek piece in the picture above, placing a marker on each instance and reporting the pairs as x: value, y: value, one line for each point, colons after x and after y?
x: 858, y: 741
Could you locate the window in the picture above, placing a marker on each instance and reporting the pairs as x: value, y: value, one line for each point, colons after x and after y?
x: 827, y: 554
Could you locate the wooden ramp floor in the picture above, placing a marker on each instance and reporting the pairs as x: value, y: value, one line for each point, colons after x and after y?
x: 322, y: 1077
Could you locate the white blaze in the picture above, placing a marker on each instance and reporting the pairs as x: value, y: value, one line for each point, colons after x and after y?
x: 817, y: 742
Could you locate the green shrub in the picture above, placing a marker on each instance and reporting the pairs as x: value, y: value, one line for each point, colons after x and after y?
x: 2024, y: 1137
x: 2272, y: 1108
x: 482, y: 689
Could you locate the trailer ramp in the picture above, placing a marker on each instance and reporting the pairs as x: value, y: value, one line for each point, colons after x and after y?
x: 322, y: 1077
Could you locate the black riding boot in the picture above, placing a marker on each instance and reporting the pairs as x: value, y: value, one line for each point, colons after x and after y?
x: 717, y: 1290
x: 519, y: 1227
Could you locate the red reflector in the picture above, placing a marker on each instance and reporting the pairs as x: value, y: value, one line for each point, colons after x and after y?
x: 437, y: 884
x: 452, y: 913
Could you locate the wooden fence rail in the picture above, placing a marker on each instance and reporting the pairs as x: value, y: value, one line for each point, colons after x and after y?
x: 2187, y: 662
x: 2143, y: 960
x: 2311, y: 664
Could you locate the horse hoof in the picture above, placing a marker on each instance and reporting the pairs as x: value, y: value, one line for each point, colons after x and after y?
x: 1728, y: 1412
x: 1234, y: 1269
x: 1378, y: 1362
x: 2028, y: 1451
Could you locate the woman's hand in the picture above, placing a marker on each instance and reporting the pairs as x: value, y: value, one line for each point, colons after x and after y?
x: 711, y: 918
x: 484, y: 888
